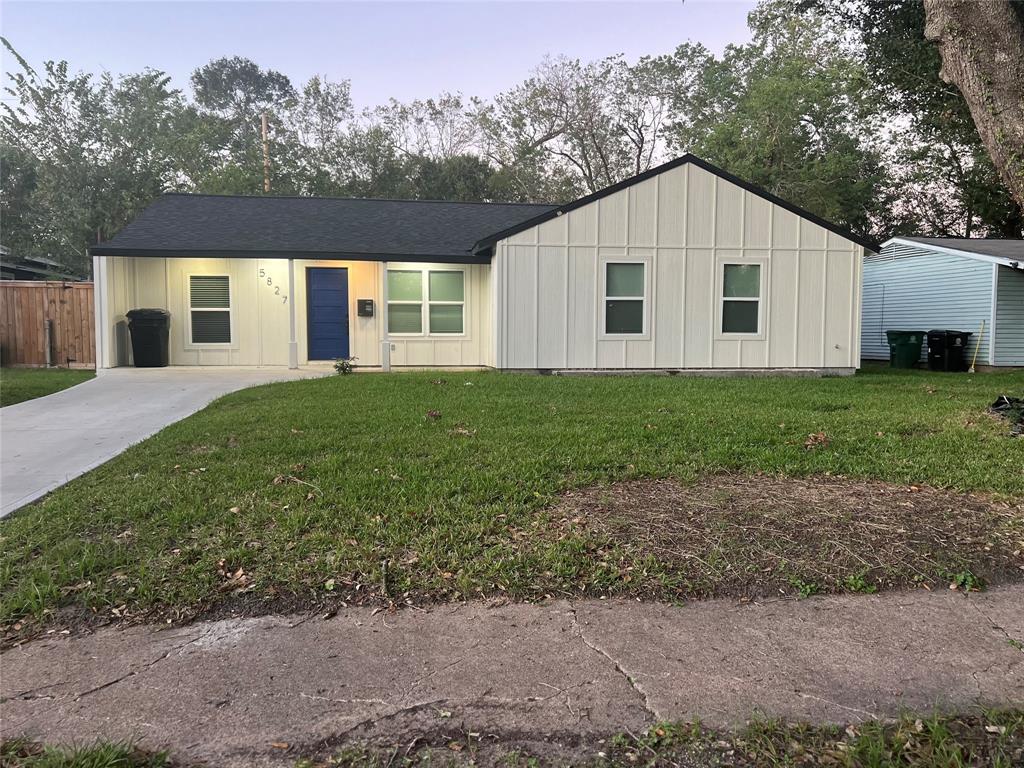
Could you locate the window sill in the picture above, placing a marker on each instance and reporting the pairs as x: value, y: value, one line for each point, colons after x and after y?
x: 199, y: 347
x: 426, y: 336
x: 724, y: 336
x: 624, y: 337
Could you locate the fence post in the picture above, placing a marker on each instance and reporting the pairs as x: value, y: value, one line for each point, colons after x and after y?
x: 48, y: 341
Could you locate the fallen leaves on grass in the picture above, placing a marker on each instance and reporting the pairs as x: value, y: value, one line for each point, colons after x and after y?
x: 816, y: 440
x: 233, y: 579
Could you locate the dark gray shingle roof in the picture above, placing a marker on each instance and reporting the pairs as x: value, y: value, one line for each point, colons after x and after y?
x: 1003, y: 249
x: 313, y: 227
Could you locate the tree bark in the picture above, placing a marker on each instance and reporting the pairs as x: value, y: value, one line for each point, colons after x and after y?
x: 982, y: 50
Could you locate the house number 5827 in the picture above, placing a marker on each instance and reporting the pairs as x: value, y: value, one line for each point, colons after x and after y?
x: 270, y: 284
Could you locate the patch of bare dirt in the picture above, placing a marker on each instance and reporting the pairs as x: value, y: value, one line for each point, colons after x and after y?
x: 747, y: 536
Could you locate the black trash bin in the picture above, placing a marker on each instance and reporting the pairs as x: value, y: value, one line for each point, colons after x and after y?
x: 151, y: 330
x: 947, y: 350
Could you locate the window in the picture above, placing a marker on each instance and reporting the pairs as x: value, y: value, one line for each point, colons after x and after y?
x: 624, y: 289
x: 405, y: 301
x: 209, y: 298
x: 447, y: 300
x: 432, y: 299
x: 741, y: 298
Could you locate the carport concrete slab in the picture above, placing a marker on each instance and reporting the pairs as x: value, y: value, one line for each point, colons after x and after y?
x: 48, y: 441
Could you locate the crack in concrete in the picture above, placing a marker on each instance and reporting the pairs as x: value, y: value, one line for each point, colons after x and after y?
x: 423, y: 678
x: 142, y: 668
x: 1017, y: 643
x: 341, y: 735
x: 346, y: 701
x: 31, y: 693
x: 872, y: 715
x: 578, y: 714
x: 637, y: 688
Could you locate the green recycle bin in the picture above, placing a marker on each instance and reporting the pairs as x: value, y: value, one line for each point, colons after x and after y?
x: 904, y: 348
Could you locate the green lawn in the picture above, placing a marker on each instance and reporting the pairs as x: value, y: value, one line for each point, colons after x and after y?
x: 441, y: 485
x: 20, y: 384
x: 22, y: 753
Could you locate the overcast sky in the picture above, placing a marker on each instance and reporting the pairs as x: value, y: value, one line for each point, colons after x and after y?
x: 404, y: 50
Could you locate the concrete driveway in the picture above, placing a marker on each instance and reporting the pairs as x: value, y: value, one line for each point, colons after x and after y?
x: 48, y: 441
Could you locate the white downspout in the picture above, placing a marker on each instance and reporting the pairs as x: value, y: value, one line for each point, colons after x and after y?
x: 293, y: 344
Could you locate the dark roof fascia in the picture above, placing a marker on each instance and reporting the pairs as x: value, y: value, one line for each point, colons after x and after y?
x: 679, y: 161
x: 172, y: 253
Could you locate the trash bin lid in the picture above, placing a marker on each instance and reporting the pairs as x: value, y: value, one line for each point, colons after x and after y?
x: 147, y: 314
x: 896, y: 334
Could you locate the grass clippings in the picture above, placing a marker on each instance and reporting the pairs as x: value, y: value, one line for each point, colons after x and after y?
x: 758, y: 535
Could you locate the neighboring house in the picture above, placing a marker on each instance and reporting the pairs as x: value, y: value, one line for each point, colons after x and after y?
x: 682, y: 267
x: 32, y: 268
x: 925, y: 283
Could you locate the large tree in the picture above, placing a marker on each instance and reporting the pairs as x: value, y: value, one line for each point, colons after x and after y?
x: 576, y: 127
x: 788, y: 111
x: 942, y: 179
x: 982, y: 49
x: 82, y: 157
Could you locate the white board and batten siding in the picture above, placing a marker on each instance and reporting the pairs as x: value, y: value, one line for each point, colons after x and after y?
x: 684, y: 224
x: 916, y: 289
x: 260, y: 315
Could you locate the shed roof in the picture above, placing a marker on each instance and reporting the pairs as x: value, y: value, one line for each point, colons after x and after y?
x: 218, y: 226
x: 1007, y: 252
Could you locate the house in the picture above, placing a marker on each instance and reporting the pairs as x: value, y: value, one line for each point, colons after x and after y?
x: 682, y: 267
x: 923, y: 283
x: 32, y: 268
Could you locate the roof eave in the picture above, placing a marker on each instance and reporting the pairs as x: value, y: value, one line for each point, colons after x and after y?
x: 186, y: 253
x: 1004, y: 261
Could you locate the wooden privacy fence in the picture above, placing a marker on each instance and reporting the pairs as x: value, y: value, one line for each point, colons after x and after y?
x: 36, y: 313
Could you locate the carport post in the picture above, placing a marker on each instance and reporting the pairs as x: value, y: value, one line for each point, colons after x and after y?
x: 293, y: 344
x: 385, y: 345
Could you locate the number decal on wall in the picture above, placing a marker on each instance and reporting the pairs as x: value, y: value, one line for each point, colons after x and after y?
x: 270, y: 283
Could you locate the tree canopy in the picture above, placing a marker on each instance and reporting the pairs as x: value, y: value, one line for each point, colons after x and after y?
x: 836, y: 105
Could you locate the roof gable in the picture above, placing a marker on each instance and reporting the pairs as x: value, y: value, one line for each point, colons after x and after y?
x: 488, y: 242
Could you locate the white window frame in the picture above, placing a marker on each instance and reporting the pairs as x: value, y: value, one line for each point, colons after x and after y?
x: 605, y: 298
x: 425, y: 302
x: 761, y: 298
x: 233, y: 344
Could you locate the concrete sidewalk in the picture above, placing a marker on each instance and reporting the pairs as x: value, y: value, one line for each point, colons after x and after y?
x: 225, y: 691
x: 48, y: 441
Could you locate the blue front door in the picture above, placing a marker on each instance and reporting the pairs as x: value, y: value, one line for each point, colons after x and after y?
x: 327, y: 312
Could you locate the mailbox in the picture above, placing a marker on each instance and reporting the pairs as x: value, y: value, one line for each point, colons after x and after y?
x: 364, y: 307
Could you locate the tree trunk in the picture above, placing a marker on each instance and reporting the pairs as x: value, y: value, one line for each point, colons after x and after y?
x: 982, y: 49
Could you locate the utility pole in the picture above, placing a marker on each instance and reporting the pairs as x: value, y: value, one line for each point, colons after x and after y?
x: 266, y: 155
